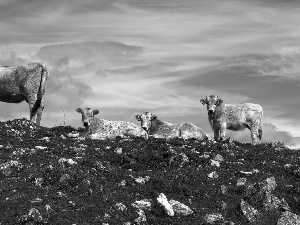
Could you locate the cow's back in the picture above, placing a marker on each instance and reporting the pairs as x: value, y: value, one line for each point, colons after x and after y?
x: 238, y: 117
x: 253, y: 112
x: 189, y: 130
x: 164, y: 129
x: 108, y: 128
x: 8, y: 82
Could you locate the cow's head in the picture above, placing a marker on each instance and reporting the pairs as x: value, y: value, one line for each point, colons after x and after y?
x: 146, y: 119
x: 87, y: 115
x: 211, y: 102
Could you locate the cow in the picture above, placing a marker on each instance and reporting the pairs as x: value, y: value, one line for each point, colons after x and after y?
x: 25, y: 83
x: 161, y: 129
x: 222, y: 116
x: 96, y: 128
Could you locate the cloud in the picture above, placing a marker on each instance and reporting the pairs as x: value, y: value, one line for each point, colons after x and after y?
x: 10, y: 58
x: 86, y: 53
x: 153, y: 69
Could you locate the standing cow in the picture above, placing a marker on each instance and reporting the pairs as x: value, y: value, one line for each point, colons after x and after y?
x: 25, y: 83
x: 161, y: 129
x: 222, y: 116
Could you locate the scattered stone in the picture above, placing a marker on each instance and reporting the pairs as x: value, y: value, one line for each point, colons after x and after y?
x: 249, y: 212
x: 33, y: 217
x: 218, y: 158
x: 184, y: 159
x: 40, y: 147
x: 118, y: 150
x: 213, y: 175
x: 213, y: 218
x: 63, y: 137
x: 144, y: 204
x: 268, y: 185
x: 224, y: 189
x: 141, y: 180
x: 141, y: 217
x: 214, y: 163
x: 241, y: 181
x: 272, y: 202
x: 288, y: 218
x: 120, y: 207
x: 163, y: 202
x: 180, y: 209
x: 72, y: 135
x: 67, y: 161
x: 46, y: 139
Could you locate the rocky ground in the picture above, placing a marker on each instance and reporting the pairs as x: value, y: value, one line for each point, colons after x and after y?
x: 48, y: 178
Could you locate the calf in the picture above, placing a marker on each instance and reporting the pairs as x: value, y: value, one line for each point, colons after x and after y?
x: 160, y: 129
x: 97, y: 128
x: 25, y: 83
x: 222, y: 116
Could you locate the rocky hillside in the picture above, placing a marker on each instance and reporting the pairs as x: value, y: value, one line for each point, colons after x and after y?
x: 48, y: 178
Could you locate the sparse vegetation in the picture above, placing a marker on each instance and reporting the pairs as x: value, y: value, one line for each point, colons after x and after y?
x: 47, y: 178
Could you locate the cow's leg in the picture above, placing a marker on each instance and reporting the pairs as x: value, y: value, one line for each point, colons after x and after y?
x: 32, y: 101
x: 254, y: 135
x: 39, y: 113
x: 223, y: 131
x: 216, y: 134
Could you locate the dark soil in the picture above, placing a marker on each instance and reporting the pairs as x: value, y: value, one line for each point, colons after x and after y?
x: 47, y: 178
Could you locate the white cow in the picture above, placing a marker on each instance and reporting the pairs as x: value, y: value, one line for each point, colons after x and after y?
x: 160, y: 129
x: 25, y: 83
x: 222, y: 116
x: 97, y: 128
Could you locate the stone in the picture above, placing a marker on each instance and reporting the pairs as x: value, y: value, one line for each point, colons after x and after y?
x: 249, y: 212
x: 180, y: 209
x: 288, y: 218
x: 144, y: 204
x: 163, y: 202
x: 213, y: 218
x: 141, y: 219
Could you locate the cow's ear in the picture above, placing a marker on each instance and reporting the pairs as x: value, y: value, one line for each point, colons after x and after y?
x: 138, y: 117
x: 95, y: 112
x: 153, y: 117
x: 219, y: 102
x: 203, y: 101
x: 79, y: 110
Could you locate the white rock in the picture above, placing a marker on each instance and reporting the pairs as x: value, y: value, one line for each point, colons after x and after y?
x: 250, y: 213
x: 163, y: 201
x: 288, y: 218
x: 214, y: 163
x: 141, y: 218
x: 180, y: 209
x: 213, y: 175
x: 241, y: 181
x: 120, y: 207
x: 40, y: 147
x: 144, y: 204
x: 218, y: 158
x: 212, y: 218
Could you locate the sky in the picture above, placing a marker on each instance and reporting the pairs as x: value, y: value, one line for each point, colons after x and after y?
x: 124, y: 57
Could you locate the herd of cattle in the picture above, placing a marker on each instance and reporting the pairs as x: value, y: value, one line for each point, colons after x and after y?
x: 28, y: 83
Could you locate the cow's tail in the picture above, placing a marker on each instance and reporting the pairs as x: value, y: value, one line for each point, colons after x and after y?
x: 44, y: 77
x: 42, y: 87
x: 260, y: 126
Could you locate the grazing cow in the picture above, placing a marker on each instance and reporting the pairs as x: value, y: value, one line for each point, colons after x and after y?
x: 97, y: 128
x: 160, y: 129
x: 25, y: 83
x: 222, y: 116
